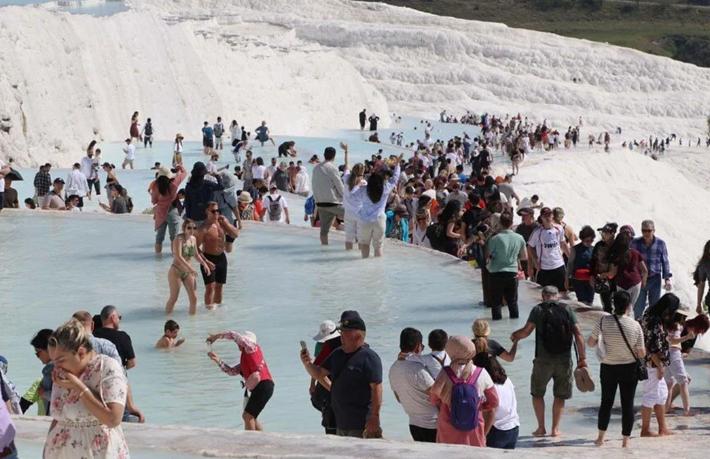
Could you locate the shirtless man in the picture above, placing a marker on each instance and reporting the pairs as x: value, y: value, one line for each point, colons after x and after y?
x: 211, y: 241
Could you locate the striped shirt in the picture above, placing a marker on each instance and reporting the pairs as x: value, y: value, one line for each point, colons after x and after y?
x: 617, y: 353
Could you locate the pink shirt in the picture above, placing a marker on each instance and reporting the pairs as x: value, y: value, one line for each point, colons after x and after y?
x: 163, y: 203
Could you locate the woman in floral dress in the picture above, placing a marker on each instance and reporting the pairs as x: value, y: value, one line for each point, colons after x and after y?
x: 88, y: 397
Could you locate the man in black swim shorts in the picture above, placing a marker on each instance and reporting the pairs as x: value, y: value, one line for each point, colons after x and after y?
x: 211, y: 241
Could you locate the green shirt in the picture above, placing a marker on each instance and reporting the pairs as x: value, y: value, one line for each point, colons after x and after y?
x: 536, y: 317
x: 504, y: 249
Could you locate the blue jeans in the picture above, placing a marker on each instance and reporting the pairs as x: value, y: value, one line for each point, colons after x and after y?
x: 502, y: 439
x: 652, y: 292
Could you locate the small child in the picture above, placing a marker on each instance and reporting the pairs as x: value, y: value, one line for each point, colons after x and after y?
x: 676, y: 374
x: 170, y: 336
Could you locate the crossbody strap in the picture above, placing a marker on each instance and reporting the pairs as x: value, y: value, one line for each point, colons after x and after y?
x: 621, y: 329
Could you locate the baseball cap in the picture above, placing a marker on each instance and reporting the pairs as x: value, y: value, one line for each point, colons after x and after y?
x: 351, y: 320
x: 609, y: 228
x: 59, y: 180
x: 525, y: 211
x: 545, y: 211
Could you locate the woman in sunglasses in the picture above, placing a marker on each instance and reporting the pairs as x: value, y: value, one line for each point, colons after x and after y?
x: 181, y: 271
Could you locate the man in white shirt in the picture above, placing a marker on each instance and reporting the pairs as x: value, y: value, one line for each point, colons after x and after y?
x: 130, y: 151
x: 411, y: 384
x: 90, y: 169
x: 77, y: 184
x: 276, y: 207
x: 270, y: 171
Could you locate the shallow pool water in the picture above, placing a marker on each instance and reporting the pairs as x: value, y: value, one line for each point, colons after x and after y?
x: 281, y: 285
x: 91, y: 7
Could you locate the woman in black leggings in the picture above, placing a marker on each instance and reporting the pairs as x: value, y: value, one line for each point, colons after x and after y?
x: 618, y: 363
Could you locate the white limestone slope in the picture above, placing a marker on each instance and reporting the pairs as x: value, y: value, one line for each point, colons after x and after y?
x: 307, y: 65
x: 423, y: 63
x: 65, y: 78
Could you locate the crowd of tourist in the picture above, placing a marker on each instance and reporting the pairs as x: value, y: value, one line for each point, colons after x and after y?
x: 444, y: 197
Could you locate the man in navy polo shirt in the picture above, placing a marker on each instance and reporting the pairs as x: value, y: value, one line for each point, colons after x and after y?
x: 354, y: 374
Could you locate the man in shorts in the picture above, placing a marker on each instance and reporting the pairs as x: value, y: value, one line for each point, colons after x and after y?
x: 211, y: 241
x: 548, y: 365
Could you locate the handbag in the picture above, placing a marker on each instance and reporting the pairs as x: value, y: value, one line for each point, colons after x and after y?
x: 601, y: 347
x: 641, y: 370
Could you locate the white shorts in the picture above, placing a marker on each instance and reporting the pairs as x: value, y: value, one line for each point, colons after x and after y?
x: 372, y: 232
x: 655, y: 391
x: 676, y: 371
x: 351, y: 228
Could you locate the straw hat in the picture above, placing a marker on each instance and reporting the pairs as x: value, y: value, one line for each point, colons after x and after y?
x: 460, y: 348
x: 165, y: 172
x: 244, y: 198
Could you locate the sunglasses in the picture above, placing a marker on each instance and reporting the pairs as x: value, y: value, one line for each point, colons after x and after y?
x: 215, y: 211
x: 191, y: 227
x: 647, y: 230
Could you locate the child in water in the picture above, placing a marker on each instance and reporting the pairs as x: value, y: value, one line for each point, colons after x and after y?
x: 170, y: 336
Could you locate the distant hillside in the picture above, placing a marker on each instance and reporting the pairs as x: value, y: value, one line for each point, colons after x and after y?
x: 676, y: 29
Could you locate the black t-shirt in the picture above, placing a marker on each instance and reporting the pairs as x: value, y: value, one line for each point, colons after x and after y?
x: 350, y: 393
x: 120, y: 339
x: 494, y: 348
x: 525, y: 230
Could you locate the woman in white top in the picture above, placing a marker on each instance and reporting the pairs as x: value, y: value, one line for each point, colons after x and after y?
x: 618, y: 363
x: 371, y: 216
x: 353, y: 180
x: 302, y: 184
x: 177, y: 150
x: 503, y: 429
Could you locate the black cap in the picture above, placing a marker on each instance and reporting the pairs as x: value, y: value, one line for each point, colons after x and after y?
x: 351, y: 320
x: 59, y: 180
x: 609, y: 228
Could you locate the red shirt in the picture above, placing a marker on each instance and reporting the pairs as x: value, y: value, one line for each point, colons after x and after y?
x: 249, y: 363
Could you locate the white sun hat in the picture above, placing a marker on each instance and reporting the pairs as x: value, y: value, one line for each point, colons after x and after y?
x: 327, y: 330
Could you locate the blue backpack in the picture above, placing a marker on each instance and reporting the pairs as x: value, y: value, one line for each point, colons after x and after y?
x: 465, y: 401
x: 310, y: 206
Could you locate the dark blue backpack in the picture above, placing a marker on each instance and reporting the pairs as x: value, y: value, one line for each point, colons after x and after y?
x: 465, y: 401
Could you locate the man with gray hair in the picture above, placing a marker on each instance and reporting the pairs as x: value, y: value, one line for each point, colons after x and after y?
x: 556, y: 331
x: 655, y: 254
x: 354, y: 373
x: 100, y: 345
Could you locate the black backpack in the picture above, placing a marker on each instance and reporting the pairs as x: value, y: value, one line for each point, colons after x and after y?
x: 148, y: 129
x: 557, y: 331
